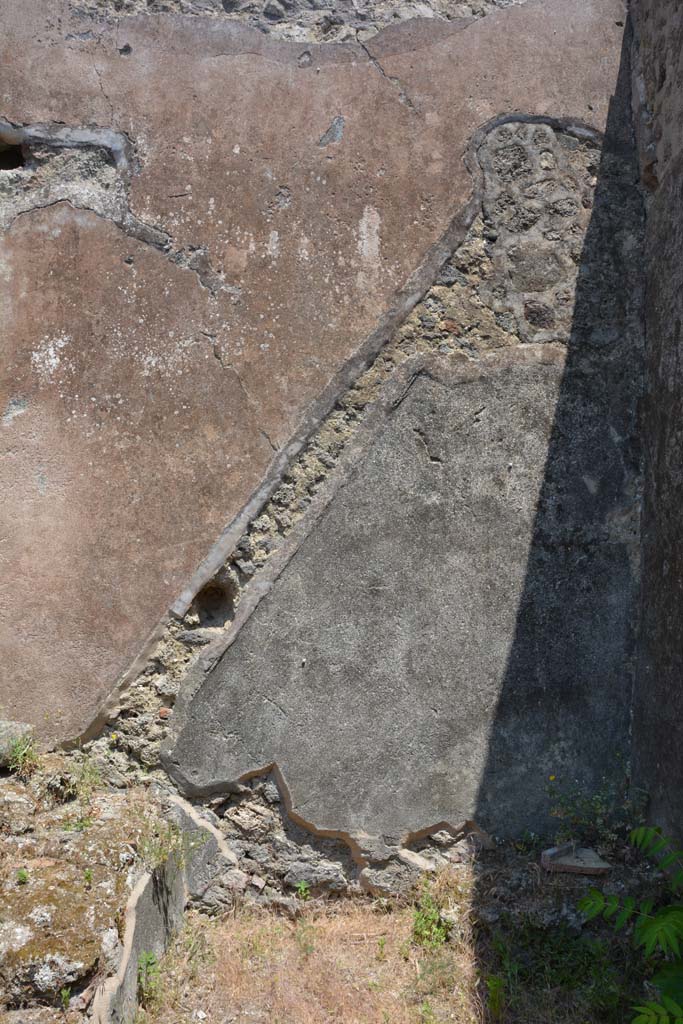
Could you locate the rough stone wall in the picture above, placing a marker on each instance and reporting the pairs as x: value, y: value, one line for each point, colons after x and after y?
x: 658, y: 706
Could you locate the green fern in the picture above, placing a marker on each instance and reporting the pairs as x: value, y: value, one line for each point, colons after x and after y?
x: 666, y: 1012
x: 663, y: 931
x: 596, y: 904
x: 656, y: 931
x: 651, y: 842
x: 669, y: 981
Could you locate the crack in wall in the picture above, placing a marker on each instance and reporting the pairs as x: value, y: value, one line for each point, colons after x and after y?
x: 402, y: 94
x: 250, y: 402
x: 106, y: 98
x: 248, y: 398
x: 424, y: 441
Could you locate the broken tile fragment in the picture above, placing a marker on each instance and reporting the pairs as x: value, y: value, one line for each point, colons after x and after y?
x: 574, y: 860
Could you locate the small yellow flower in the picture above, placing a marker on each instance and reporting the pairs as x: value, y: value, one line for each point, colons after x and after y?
x: 552, y: 778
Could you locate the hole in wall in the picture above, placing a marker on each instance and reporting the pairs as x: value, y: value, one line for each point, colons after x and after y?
x: 215, y: 603
x: 11, y: 157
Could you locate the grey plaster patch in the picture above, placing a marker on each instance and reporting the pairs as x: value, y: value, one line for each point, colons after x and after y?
x: 334, y: 133
x: 372, y: 670
x: 14, y: 408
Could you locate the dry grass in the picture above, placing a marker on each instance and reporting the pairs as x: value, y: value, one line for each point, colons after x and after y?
x: 355, y: 961
x: 351, y: 961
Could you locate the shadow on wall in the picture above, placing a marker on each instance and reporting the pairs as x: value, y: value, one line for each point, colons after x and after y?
x: 658, y: 704
x: 567, y: 674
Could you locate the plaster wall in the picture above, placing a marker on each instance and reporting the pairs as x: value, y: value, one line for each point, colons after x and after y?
x: 213, y: 230
x: 234, y: 231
